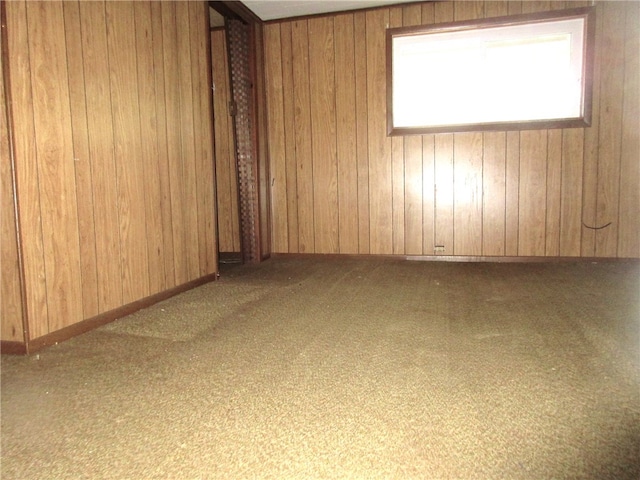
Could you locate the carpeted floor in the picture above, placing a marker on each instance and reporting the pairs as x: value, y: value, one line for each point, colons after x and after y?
x: 345, y: 368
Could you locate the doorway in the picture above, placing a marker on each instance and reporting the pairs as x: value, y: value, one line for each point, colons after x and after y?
x: 240, y: 134
x: 229, y: 245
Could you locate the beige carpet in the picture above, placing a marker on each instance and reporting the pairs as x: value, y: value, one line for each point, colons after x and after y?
x: 345, y: 368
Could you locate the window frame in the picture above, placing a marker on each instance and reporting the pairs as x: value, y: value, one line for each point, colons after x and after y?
x: 586, y: 14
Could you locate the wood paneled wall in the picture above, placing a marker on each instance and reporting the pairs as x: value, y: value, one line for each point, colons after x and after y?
x: 114, y: 154
x: 226, y: 168
x: 340, y: 185
x: 11, y: 326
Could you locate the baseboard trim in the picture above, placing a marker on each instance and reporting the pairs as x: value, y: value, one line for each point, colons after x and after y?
x: 92, y: 323
x: 457, y: 258
x: 12, y: 348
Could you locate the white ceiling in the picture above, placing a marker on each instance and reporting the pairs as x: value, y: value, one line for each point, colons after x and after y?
x: 277, y: 9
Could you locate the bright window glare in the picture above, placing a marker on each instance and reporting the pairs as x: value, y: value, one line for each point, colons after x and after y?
x: 523, y: 72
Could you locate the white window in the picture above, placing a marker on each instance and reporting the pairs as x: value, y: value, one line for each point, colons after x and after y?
x: 526, y: 71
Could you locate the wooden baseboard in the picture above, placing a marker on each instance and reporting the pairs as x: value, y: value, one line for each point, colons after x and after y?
x: 92, y: 323
x: 456, y: 258
x: 12, y: 348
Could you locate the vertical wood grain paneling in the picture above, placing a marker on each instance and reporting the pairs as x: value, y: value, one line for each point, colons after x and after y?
x: 397, y: 188
x: 629, y: 209
x: 101, y: 152
x: 413, y: 183
x: 82, y: 159
x: 496, y: 8
x: 470, y: 10
x: 380, y: 174
x: 27, y: 169
x: 323, y: 138
x: 277, y: 154
x: 172, y: 105
x: 571, y: 192
x: 467, y: 213
x: 11, y: 312
x: 291, y: 184
x: 127, y: 145
x: 106, y: 122
x: 553, y: 183
x: 162, y: 144
x: 346, y: 133
x: 494, y: 173
x: 149, y: 147
x: 514, y: 7
x: 203, y: 137
x: 493, y: 193
x: 533, y: 193
x: 534, y: 6
x: 610, y: 128
x: 55, y: 161
x: 512, y: 193
x: 226, y: 170
x: 428, y: 195
x: 187, y: 145
x: 302, y: 108
x: 444, y: 184
x: 517, y: 193
x: 362, y: 134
